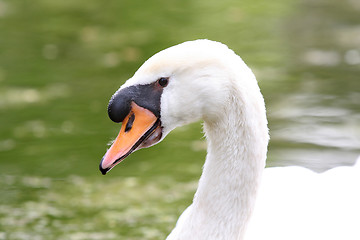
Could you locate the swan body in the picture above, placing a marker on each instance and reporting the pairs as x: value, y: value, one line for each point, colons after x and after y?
x: 296, y: 203
x: 206, y: 80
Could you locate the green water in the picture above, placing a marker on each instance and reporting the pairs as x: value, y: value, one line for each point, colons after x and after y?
x: 60, y: 62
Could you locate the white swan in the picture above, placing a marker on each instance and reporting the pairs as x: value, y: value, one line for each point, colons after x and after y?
x: 205, y: 80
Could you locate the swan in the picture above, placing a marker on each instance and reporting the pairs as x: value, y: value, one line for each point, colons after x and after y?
x: 235, y: 198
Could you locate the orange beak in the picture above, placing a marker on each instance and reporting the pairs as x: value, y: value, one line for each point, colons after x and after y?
x: 140, y: 128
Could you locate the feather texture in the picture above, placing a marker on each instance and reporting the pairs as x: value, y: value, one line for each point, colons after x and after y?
x: 209, y: 81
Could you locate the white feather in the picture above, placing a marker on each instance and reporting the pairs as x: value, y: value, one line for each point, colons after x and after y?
x: 209, y: 81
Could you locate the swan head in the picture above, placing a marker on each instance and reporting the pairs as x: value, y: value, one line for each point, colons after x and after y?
x: 179, y: 85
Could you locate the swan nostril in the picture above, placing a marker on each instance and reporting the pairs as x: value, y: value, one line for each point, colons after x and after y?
x: 130, y: 122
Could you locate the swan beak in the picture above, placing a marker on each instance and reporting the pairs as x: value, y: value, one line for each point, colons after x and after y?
x: 136, y: 128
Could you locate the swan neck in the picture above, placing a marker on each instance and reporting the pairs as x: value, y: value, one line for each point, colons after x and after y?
x: 225, y: 198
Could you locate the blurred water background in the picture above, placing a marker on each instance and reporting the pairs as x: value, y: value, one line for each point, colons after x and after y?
x: 60, y: 62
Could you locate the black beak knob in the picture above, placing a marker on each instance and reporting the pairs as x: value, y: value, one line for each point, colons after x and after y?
x: 119, y: 106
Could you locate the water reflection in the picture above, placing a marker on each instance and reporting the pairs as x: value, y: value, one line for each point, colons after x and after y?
x: 317, y: 115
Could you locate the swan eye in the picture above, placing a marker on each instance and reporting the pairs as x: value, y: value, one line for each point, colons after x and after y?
x: 163, y: 81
